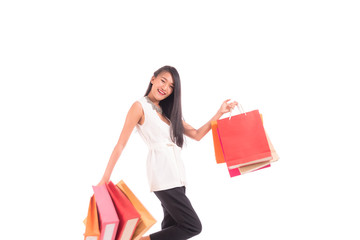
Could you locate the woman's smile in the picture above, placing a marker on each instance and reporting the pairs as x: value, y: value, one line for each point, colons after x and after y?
x: 161, y: 92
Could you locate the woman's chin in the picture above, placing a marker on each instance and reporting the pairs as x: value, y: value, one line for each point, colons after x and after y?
x: 160, y: 97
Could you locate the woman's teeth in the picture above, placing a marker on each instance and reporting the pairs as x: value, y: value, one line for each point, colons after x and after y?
x: 161, y: 92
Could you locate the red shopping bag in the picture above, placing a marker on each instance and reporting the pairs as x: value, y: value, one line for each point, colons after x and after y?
x: 219, y: 156
x: 256, y: 166
x: 127, y: 213
x: 243, y: 140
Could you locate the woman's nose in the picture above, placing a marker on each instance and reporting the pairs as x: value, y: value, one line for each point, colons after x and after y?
x: 165, y: 87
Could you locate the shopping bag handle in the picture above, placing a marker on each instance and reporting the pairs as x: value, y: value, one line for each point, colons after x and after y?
x: 241, y: 111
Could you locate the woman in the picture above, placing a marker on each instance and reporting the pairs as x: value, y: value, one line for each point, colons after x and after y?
x: 158, y: 118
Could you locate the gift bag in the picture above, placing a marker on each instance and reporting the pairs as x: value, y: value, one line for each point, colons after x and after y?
x: 126, y: 212
x: 256, y: 166
x: 146, y: 219
x: 243, y: 140
x: 92, y: 231
x: 219, y: 156
x: 253, y: 167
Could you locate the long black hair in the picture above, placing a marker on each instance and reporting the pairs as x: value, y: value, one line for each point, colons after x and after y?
x: 171, y: 106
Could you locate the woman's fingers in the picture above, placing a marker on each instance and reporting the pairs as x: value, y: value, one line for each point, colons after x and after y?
x: 232, y: 104
x: 228, y: 106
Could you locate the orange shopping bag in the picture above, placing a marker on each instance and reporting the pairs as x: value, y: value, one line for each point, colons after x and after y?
x: 219, y: 156
x: 92, y: 231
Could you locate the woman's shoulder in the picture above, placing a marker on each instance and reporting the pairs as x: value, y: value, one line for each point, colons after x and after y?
x: 141, y: 100
x: 136, y: 111
x: 139, y: 106
x: 139, y: 103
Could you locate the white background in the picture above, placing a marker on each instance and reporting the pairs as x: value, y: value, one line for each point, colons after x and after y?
x: 70, y: 71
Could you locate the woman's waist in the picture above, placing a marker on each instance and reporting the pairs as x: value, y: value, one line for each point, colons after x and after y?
x: 163, y: 145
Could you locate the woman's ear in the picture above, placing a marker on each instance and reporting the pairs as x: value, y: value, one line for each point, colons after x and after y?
x: 152, y: 80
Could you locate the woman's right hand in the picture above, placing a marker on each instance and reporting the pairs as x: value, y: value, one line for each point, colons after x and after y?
x: 227, y: 107
x: 103, y: 181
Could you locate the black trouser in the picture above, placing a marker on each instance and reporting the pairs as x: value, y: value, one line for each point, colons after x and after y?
x: 180, y: 219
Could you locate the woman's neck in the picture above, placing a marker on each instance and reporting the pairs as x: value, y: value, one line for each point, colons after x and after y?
x: 157, y: 108
x: 153, y: 100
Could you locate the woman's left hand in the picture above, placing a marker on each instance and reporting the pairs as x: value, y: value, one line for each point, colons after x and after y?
x: 227, y: 107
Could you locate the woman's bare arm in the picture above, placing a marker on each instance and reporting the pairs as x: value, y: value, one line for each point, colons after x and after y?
x: 134, y: 116
x: 198, y: 134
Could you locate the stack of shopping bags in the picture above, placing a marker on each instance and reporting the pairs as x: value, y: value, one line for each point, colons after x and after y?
x: 115, y: 213
x: 241, y: 142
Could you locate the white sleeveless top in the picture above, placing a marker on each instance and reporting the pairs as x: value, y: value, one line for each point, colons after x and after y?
x: 165, y: 169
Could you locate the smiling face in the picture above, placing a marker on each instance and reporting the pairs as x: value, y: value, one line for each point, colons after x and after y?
x: 162, y: 86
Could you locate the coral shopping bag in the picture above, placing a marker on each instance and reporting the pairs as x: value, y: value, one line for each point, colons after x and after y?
x: 127, y: 213
x: 219, y: 156
x: 146, y: 219
x: 243, y: 140
x: 256, y: 166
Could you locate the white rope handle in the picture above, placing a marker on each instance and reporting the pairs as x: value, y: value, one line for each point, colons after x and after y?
x: 241, y: 111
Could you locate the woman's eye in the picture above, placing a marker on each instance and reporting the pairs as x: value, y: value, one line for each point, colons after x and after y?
x: 162, y: 80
